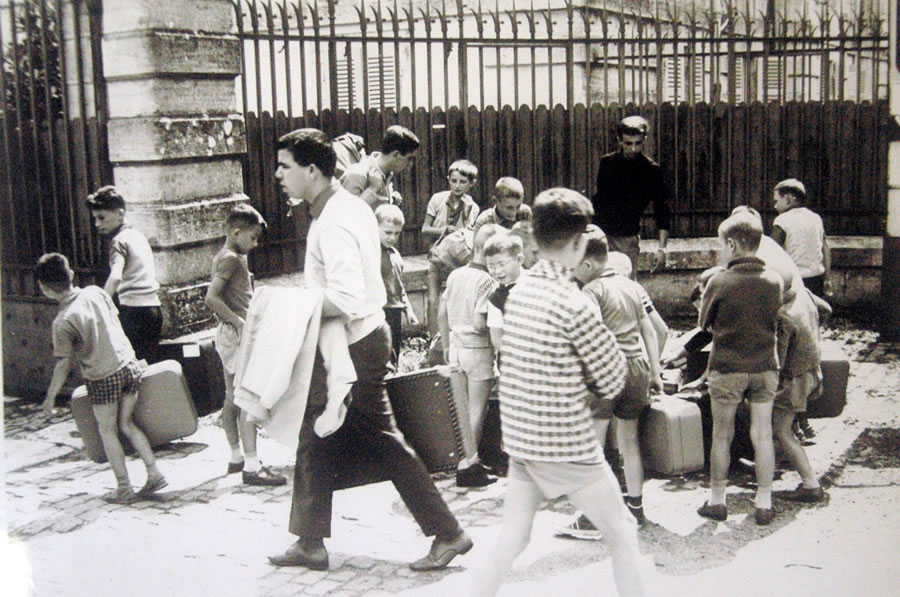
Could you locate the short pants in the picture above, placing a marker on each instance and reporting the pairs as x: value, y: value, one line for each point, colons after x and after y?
x: 476, y: 363
x: 634, y: 397
x: 228, y: 339
x: 108, y: 390
x: 556, y: 479
x: 794, y: 392
x: 733, y: 388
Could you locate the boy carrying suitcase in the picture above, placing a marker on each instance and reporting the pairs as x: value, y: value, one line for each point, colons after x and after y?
x: 87, y: 329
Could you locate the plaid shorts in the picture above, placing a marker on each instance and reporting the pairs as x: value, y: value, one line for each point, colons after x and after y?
x: 126, y: 380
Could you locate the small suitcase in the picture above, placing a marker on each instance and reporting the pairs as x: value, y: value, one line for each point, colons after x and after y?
x: 835, y: 375
x: 202, y: 369
x: 672, y: 436
x: 164, y: 410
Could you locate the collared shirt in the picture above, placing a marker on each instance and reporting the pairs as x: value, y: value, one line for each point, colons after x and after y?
x: 558, y: 359
x: 87, y: 329
x: 343, y: 257
x: 463, y: 215
x: 619, y: 299
x: 624, y: 190
x: 492, y: 216
x: 369, y: 182
x: 392, y: 274
x: 468, y: 290
x: 129, y: 249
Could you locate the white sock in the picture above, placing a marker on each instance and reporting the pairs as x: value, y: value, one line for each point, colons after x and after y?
x: 251, y: 463
x: 236, y: 454
x: 763, y: 497
x: 717, y: 493
x: 811, y: 483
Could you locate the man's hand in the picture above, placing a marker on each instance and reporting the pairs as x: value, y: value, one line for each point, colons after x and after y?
x: 659, y: 260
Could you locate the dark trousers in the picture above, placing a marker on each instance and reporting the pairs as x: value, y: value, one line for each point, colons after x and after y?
x: 143, y: 326
x: 394, y: 318
x: 816, y: 285
x: 368, y: 436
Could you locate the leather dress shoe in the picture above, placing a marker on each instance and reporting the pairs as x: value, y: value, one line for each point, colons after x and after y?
x: 442, y: 552
x: 314, y: 558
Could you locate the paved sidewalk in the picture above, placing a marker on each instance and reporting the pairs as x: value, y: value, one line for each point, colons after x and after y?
x: 208, y: 534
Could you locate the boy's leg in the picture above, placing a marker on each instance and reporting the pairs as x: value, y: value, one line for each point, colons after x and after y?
x: 107, y: 423
x: 781, y: 425
x: 582, y: 527
x: 230, y: 415
x: 522, y: 501
x: 761, y: 393
x: 629, y: 447
x: 434, y: 295
x: 479, y: 392
x: 155, y: 480
x: 602, y: 504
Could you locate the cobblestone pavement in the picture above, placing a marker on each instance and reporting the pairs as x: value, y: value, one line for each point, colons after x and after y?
x: 209, y: 534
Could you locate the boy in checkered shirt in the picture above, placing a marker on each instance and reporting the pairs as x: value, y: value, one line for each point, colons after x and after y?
x: 558, y: 361
x: 87, y: 330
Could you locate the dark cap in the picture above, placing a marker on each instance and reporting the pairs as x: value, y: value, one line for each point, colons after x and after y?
x: 106, y: 198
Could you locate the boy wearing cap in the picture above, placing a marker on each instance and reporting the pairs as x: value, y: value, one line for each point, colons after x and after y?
x: 801, y: 232
x: 627, y: 182
x: 132, y: 275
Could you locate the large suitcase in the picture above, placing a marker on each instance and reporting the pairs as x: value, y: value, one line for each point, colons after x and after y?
x: 835, y: 375
x: 202, y: 368
x: 672, y: 436
x: 164, y: 410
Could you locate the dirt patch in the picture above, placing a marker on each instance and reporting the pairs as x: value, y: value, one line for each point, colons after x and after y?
x: 875, y: 449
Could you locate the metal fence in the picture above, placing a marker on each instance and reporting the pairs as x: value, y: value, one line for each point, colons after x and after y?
x: 52, y: 134
x: 738, y: 99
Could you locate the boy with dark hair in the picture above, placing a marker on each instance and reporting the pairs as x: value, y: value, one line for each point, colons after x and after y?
x: 371, y: 178
x: 462, y: 318
x: 558, y: 361
x: 390, y: 227
x: 228, y: 295
x: 619, y: 299
x: 740, y: 307
x: 87, y: 330
x: 447, y: 212
x: 509, y: 208
x: 132, y: 273
x: 801, y: 232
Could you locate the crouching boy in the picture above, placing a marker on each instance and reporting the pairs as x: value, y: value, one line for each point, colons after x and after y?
x: 558, y: 360
x: 87, y: 329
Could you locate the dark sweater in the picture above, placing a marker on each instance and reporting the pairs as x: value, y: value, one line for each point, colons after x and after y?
x: 740, y: 307
x: 624, y: 190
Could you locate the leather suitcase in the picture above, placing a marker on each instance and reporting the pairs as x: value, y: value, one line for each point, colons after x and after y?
x: 672, y: 436
x: 164, y: 410
x: 202, y: 369
x: 835, y: 375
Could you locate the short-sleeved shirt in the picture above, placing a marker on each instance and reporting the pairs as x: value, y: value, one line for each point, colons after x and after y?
x: 619, y: 299
x: 87, y: 329
x: 139, y: 286
x: 558, y: 359
x: 492, y: 216
x: 468, y: 289
x: 238, y: 288
x: 369, y: 182
x: 804, y: 239
x: 463, y: 215
x: 391, y: 272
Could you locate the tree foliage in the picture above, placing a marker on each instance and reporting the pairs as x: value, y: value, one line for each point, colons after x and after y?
x: 31, y: 65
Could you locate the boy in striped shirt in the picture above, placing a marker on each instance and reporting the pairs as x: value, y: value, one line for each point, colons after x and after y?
x: 559, y: 361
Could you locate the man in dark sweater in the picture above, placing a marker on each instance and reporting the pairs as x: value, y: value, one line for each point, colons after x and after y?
x: 740, y: 307
x: 627, y: 182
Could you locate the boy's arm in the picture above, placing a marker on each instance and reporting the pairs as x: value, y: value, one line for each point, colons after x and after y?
x: 472, y: 215
x: 116, y: 271
x: 651, y: 343
x: 779, y: 235
x: 826, y: 258
x: 707, y: 314
x: 432, y: 232
x: 444, y: 327
x: 215, y: 302
x: 60, y: 373
x: 495, y: 325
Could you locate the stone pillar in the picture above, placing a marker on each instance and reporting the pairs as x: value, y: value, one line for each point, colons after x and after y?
x: 174, y: 137
x: 890, y: 276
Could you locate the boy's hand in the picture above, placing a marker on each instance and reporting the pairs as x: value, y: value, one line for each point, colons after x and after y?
x: 656, y: 384
x: 411, y: 315
x: 659, y: 260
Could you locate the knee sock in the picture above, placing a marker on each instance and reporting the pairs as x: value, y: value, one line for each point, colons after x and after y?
x: 236, y: 454
x: 717, y: 492
x: 251, y: 463
x: 763, y: 497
